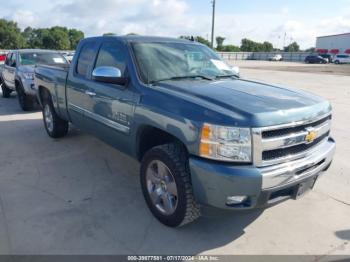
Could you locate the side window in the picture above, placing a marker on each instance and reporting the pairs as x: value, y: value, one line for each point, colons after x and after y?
x: 112, y: 54
x: 86, y: 59
x: 8, y: 59
x: 13, y: 60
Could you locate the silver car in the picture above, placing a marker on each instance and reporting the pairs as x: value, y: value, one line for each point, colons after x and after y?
x: 18, y: 73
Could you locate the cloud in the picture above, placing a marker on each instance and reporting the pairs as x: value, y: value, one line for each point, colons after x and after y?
x: 175, y: 18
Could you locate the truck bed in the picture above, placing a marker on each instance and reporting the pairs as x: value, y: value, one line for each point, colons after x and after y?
x: 54, y: 78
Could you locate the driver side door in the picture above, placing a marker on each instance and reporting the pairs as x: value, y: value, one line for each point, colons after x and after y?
x: 111, y: 106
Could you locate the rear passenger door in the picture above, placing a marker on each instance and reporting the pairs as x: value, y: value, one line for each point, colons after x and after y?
x: 111, y: 105
x: 10, y: 70
x: 78, y: 83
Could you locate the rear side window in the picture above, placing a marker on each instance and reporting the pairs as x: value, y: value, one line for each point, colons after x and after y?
x: 8, y: 59
x: 112, y: 54
x: 13, y: 60
x: 86, y: 59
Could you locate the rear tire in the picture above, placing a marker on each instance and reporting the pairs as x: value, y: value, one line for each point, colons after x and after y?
x: 55, y: 126
x: 6, y: 92
x: 336, y: 62
x: 25, y: 102
x: 168, y: 196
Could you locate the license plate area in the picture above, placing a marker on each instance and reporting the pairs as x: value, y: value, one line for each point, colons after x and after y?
x: 304, y: 187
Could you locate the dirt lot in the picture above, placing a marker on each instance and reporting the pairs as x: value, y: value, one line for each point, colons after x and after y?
x: 296, y: 67
x: 77, y: 195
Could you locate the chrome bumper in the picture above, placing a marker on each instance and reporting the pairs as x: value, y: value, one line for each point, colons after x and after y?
x: 315, y: 162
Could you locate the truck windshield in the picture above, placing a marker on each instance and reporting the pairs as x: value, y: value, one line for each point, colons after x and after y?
x: 157, y: 61
x: 33, y: 58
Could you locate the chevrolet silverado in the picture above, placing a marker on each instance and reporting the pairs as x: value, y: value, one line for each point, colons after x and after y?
x: 203, y: 135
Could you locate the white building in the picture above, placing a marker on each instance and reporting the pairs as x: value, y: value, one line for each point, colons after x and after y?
x: 334, y: 43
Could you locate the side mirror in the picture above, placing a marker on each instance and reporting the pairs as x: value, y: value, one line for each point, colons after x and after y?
x: 108, y: 74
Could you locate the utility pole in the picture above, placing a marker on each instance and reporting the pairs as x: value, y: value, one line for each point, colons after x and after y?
x: 213, y: 25
x: 284, y: 40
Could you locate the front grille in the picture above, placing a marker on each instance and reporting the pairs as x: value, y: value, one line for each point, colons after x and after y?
x: 293, y: 150
x: 290, y: 130
x: 278, y: 144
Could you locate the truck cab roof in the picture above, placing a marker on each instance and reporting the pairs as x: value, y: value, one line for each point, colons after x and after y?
x: 140, y: 38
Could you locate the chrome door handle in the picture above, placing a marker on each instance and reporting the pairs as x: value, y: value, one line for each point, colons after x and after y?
x: 90, y: 93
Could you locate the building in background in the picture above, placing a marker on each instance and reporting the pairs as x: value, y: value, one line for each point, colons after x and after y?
x: 333, y: 44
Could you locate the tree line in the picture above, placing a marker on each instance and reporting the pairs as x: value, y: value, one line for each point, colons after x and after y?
x: 57, y: 37
x: 247, y: 45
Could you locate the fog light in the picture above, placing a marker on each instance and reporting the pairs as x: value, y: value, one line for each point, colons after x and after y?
x: 234, y: 200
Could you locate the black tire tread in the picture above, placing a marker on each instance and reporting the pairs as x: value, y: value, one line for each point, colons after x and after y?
x: 28, y: 102
x: 61, y: 126
x: 178, y: 156
x: 6, y: 92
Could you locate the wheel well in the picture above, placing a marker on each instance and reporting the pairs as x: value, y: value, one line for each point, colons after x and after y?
x: 43, y: 93
x: 150, y: 137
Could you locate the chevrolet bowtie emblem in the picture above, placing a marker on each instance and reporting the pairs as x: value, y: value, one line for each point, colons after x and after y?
x: 311, y: 136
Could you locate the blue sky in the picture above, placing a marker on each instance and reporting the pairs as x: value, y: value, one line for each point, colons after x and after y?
x: 269, y: 20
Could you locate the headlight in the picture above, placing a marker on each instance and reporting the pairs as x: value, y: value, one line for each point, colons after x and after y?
x: 29, y: 76
x: 225, y: 143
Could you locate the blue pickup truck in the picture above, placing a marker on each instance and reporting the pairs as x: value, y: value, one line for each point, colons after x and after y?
x: 203, y: 135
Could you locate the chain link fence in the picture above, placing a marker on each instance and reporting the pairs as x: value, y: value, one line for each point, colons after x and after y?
x: 287, y: 56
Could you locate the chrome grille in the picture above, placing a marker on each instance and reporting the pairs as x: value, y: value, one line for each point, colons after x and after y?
x: 278, y: 144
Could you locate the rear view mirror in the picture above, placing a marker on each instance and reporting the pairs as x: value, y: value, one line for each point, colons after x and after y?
x: 108, y: 74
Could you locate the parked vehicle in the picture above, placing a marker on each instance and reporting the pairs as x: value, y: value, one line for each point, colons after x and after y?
x: 277, y: 57
x: 18, y: 73
x: 328, y: 57
x: 2, y: 58
x: 315, y: 59
x: 203, y: 135
x: 342, y: 59
x: 68, y: 55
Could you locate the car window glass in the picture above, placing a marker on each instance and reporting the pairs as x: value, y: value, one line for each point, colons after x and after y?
x: 111, y: 54
x: 13, y: 60
x: 8, y: 59
x: 85, y: 59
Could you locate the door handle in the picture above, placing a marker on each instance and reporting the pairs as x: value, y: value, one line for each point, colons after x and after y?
x: 90, y: 93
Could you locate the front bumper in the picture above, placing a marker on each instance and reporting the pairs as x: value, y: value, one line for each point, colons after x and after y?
x: 214, y: 181
x: 29, y: 87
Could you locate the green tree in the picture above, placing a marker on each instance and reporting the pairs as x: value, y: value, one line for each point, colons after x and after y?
x: 219, y: 42
x: 267, y: 47
x: 74, y: 36
x: 248, y: 45
x: 230, y: 48
x: 311, y: 50
x: 57, y: 38
x: 10, y: 35
x: 198, y: 39
x: 202, y: 40
x: 293, y: 47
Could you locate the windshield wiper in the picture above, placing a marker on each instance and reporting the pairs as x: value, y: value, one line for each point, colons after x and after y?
x: 181, y: 77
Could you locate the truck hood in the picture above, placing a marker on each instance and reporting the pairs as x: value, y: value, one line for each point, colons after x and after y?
x: 263, y: 104
x: 26, y: 68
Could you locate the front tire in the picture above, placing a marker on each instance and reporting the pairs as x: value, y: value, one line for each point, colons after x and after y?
x: 166, y: 185
x: 25, y: 102
x: 6, y: 92
x: 55, y: 126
